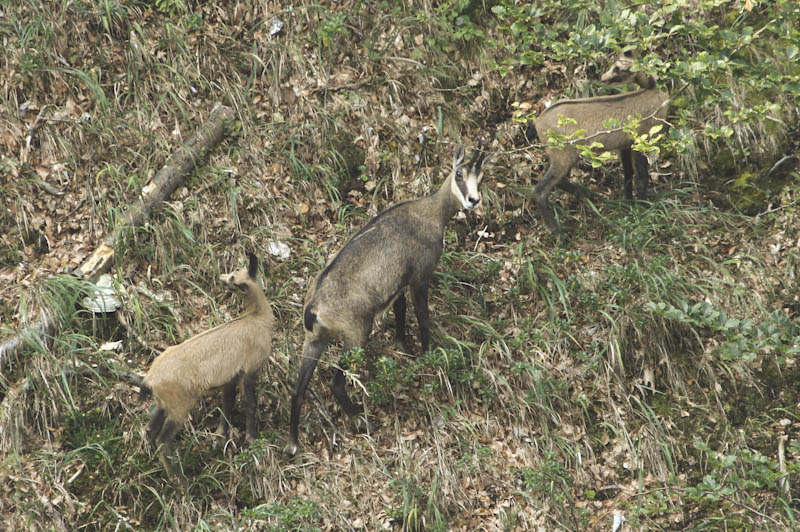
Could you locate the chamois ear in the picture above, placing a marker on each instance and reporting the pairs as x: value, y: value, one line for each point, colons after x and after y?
x: 487, y: 158
x: 253, y: 268
x: 458, y: 158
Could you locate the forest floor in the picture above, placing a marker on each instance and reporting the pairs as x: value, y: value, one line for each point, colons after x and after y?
x: 646, y: 369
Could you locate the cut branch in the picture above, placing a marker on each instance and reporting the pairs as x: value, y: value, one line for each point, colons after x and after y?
x: 183, y: 161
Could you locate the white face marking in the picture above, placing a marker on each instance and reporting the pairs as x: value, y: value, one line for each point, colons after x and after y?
x: 471, y: 187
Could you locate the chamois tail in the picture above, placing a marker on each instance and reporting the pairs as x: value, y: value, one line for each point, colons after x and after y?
x: 145, y: 392
x: 309, y: 318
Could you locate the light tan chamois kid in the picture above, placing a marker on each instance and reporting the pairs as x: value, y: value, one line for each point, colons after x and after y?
x: 649, y: 104
x: 222, y: 357
x: 398, y: 248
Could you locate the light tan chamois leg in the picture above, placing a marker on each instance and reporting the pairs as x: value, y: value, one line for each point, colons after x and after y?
x: 251, y: 406
x: 551, y: 178
x: 228, y: 400
x: 165, y: 442
x: 155, y: 425
x: 642, y: 175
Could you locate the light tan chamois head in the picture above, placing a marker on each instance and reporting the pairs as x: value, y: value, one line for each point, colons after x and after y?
x: 622, y: 72
x: 243, y: 280
x: 225, y: 357
x: 466, y: 178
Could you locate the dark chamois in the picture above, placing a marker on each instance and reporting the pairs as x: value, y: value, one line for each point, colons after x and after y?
x: 398, y: 248
x: 224, y: 356
x: 649, y: 104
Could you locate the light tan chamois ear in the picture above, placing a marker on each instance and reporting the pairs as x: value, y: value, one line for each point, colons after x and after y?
x: 252, y: 269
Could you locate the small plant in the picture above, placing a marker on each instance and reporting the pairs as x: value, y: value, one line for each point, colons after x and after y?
x: 295, y: 515
x: 419, y: 508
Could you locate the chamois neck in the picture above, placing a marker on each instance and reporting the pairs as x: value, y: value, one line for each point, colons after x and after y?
x: 444, y: 205
x: 255, y: 302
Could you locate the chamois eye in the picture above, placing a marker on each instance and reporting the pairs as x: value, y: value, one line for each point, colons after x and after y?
x: 459, y: 174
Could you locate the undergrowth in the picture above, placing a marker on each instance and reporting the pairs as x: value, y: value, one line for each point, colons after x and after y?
x: 648, y: 368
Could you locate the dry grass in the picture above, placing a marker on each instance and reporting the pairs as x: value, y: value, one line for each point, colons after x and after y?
x: 557, y: 395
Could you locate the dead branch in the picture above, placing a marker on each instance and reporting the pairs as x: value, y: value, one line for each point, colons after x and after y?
x: 183, y: 161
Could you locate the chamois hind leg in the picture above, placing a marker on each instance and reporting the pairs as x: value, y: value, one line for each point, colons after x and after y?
x: 312, y: 351
x: 228, y: 399
x: 625, y: 155
x: 399, y: 309
x: 568, y: 186
x: 551, y: 178
x: 420, y: 295
x: 354, y: 338
x: 250, y: 405
x: 165, y: 442
x: 155, y: 425
x: 642, y: 175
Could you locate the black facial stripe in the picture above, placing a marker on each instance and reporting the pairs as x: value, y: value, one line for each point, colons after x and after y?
x: 462, y: 185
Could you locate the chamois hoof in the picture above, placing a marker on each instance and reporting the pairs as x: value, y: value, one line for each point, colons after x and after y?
x: 363, y: 425
x: 405, y: 348
x: 291, y: 449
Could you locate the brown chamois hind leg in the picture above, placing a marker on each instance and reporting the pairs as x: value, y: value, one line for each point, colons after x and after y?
x: 313, y: 345
x: 354, y: 339
x: 155, y: 425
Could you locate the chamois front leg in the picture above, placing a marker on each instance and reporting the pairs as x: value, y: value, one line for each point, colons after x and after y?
x: 228, y: 399
x: 251, y: 404
x: 625, y: 155
x: 420, y: 296
x: 312, y: 351
x: 642, y: 175
x: 401, y: 339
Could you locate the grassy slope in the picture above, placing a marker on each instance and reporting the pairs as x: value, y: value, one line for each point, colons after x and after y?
x: 648, y: 369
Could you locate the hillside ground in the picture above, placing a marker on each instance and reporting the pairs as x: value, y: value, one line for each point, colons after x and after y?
x: 646, y: 369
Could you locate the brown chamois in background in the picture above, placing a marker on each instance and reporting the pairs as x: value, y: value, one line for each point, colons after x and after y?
x: 589, y: 114
x: 398, y: 248
x: 224, y: 356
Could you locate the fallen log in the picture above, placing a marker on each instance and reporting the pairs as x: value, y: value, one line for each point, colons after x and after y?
x: 183, y: 161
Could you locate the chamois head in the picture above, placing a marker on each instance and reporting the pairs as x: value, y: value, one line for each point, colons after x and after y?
x: 242, y: 279
x: 465, y: 183
x: 622, y: 72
